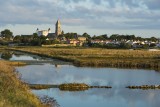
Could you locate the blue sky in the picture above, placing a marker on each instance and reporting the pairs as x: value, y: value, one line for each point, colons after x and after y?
x: 139, y: 17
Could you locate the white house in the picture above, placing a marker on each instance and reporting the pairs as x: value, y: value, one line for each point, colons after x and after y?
x: 43, y: 32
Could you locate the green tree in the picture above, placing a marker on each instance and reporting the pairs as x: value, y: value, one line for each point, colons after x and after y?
x: 86, y: 35
x: 139, y: 38
x: 146, y: 46
x: 114, y: 36
x: 152, y: 45
x: 153, y: 39
x: 62, y: 32
x: 124, y: 45
x: 17, y: 39
x: 70, y: 35
x: 101, y: 37
x: 7, y: 34
x: 105, y: 37
x: 35, y: 35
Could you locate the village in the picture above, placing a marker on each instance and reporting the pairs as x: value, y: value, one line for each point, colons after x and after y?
x: 46, y: 38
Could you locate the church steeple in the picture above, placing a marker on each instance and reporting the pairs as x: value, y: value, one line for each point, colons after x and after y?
x: 58, y: 28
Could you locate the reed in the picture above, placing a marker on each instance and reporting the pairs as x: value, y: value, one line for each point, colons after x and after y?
x: 42, y: 86
x: 100, y: 57
x: 73, y: 87
x: 66, y: 86
x: 14, y: 63
x: 144, y: 87
x: 13, y: 92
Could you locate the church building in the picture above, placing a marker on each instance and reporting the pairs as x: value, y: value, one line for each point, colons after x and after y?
x: 48, y: 33
x: 58, y: 28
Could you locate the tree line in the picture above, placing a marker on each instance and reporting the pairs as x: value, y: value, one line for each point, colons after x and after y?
x: 35, y: 40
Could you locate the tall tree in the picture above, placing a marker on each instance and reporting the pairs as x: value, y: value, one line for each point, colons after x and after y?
x: 62, y: 32
x: 17, y: 39
x: 86, y: 35
x: 7, y: 34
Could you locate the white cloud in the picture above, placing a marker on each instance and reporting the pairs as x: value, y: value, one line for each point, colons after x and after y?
x: 92, y: 14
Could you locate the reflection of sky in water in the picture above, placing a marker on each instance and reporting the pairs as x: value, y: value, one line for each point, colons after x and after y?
x: 23, y: 57
x: 104, y: 98
x: 27, y: 57
x: 118, y: 96
x: 41, y: 74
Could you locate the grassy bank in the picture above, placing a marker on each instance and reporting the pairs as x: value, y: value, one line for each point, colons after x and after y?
x: 98, y: 57
x: 14, y: 93
x: 14, y: 63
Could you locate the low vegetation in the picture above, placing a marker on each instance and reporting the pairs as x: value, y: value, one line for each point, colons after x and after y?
x: 41, y: 86
x: 66, y: 87
x: 14, y: 93
x: 74, y: 87
x: 13, y: 63
x: 98, y: 57
x: 144, y: 87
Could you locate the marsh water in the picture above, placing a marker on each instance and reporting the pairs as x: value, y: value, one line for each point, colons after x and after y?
x: 118, y: 96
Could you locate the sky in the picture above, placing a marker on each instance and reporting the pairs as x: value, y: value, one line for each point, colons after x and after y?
x: 96, y: 17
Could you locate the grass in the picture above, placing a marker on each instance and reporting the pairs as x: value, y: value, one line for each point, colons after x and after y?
x: 42, y: 86
x: 66, y: 86
x: 74, y: 87
x: 14, y: 93
x: 98, y: 57
x: 63, y: 87
x: 14, y: 63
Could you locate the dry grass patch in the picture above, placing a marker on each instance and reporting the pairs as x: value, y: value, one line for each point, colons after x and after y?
x: 14, y: 93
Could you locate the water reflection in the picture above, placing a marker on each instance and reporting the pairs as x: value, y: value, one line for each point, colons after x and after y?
x: 118, y: 96
x: 6, y: 55
x: 51, y: 74
x: 12, y: 55
x: 102, y: 98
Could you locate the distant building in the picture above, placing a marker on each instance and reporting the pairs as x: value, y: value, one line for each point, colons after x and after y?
x: 97, y: 41
x: 48, y: 33
x: 51, y: 36
x: 74, y: 42
x: 43, y: 32
x: 78, y: 41
x: 81, y: 38
x: 58, y: 30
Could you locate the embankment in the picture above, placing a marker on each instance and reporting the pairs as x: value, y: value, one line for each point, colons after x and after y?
x: 14, y: 93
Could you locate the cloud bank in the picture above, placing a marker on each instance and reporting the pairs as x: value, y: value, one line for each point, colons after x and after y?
x: 93, y: 14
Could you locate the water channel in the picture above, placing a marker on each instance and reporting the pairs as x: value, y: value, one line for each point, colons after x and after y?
x: 118, y: 96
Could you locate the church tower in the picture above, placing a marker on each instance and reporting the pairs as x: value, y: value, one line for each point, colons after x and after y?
x: 58, y: 28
